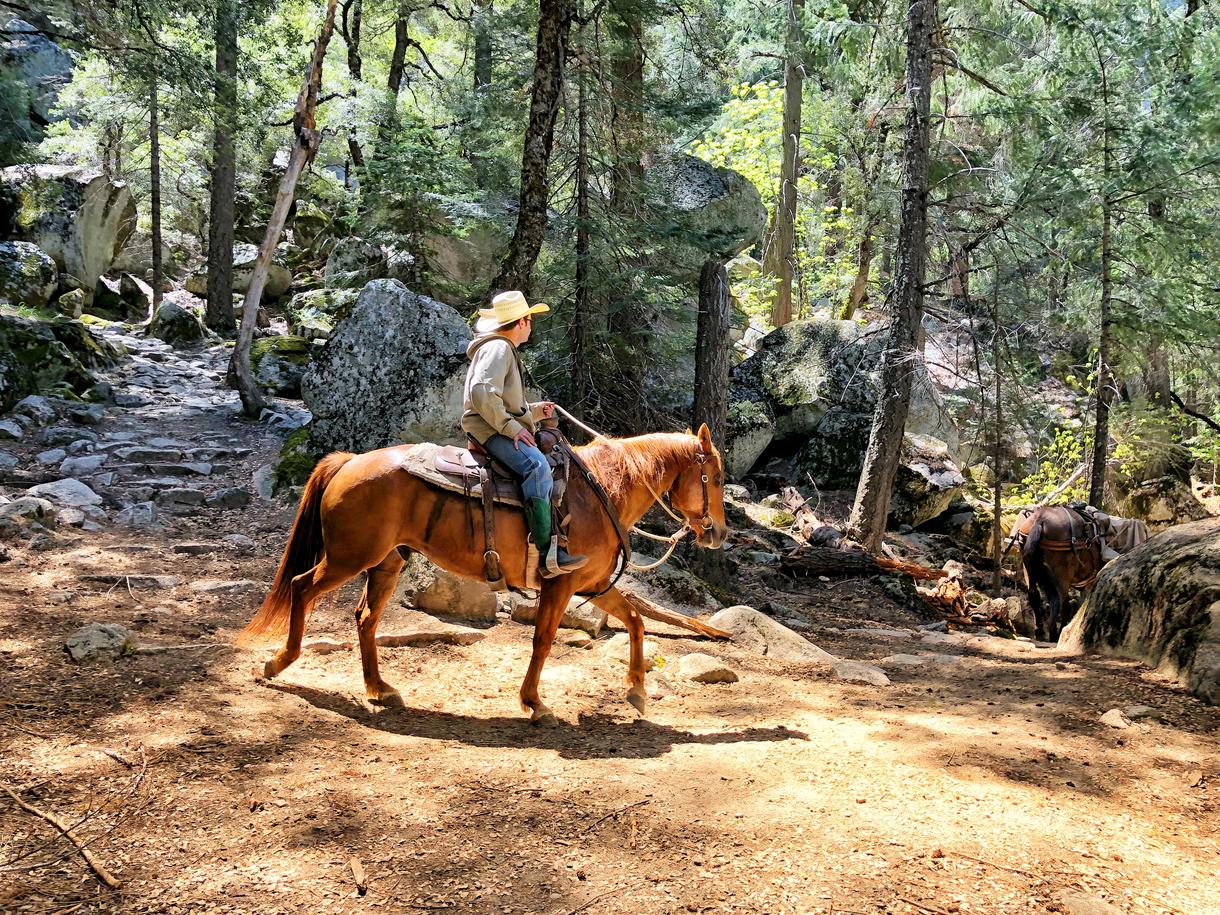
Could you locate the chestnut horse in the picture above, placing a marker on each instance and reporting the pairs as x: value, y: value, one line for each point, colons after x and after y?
x: 363, y: 512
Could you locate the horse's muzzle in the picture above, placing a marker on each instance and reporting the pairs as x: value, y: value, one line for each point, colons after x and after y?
x: 712, y: 537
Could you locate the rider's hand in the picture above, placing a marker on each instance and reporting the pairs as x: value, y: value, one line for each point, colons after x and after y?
x: 523, y: 436
x: 548, y: 409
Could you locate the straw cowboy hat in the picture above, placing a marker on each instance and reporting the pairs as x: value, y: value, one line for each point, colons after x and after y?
x: 506, y: 308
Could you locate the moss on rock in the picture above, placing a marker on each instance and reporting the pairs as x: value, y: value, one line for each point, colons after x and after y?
x: 297, y: 460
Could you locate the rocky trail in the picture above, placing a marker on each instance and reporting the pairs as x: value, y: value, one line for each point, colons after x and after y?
x: 988, y: 775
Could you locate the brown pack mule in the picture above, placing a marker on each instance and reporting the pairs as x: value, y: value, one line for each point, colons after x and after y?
x: 358, y: 510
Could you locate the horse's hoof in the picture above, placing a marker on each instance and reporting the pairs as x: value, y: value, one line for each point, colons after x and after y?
x: 269, y: 672
x: 543, y: 717
x: 388, y: 698
x: 639, y: 701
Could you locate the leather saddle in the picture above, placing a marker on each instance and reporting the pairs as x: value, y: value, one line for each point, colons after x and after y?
x: 477, y: 475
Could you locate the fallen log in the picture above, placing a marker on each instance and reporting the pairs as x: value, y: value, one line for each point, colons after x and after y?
x: 648, y: 609
x: 820, y: 560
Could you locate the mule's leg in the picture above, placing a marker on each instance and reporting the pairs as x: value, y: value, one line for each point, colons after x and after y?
x: 620, y: 608
x: 306, y: 588
x: 551, y: 604
x: 383, y: 577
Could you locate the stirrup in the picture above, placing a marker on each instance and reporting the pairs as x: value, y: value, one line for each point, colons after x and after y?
x: 552, y: 566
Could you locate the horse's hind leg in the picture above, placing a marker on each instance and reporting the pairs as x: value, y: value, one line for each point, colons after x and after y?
x: 551, y: 604
x: 306, y: 588
x: 617, y: 606
x: 382, y: 580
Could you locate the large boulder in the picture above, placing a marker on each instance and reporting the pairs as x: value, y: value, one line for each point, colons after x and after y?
x: 391, y: 372
x: 811, y: 387
x: 279, y: 277
x: 279, y: 364
x: 352, y: 263
x: 177, y: 322
x: 927, y: 482
x: 79, y: 217
x: 1160, y: 603
x: 1154, y: 484
x: 715, y: 212
x: 43, y: 355
x: 462, y: 249
x: 41, y: 65
x: 27, y: 275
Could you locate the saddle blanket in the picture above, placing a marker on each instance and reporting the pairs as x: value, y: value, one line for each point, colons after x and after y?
x: 420, y: 462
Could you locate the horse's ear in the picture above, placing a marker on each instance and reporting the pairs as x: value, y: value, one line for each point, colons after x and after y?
x: 705, y: 437
x: 689, y: 431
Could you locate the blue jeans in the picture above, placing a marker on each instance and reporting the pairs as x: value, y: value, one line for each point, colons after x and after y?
x: 527, y: 462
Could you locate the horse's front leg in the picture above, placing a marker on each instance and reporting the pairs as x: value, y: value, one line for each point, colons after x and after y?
x: 552, y: 603
x: 620, y: 608
x: 378, y: 590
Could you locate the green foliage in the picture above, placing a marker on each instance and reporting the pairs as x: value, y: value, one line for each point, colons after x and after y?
x: 1057, y: 462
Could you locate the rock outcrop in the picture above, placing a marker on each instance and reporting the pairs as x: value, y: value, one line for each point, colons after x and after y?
x: 352, y: 263
x: 391, y: 372
x: 717, y: 211
x: 43, y: 355
x: 313, y: 314
x: 279, y: 364
x: 78, y: 217
x: 1160, y: 604
x: 811, y: 388
x: 27, y: 274
x: 177, y: 323
x: 42, y: 66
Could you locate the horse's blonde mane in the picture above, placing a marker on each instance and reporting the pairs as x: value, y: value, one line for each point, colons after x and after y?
x: 621, y: 464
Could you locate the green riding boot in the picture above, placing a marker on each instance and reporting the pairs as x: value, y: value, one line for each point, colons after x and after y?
x: 555, y: 559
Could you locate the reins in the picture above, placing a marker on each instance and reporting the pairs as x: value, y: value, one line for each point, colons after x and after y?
x: 673, y: 539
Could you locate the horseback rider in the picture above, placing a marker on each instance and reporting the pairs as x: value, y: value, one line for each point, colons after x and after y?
x: 498, y: 417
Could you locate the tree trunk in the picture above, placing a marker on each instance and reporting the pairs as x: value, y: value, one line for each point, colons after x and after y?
x: 1101, y: 428
x: 554, y: 24
x: 154, y: 180
x: 781, y: 253
x: 712, y: 351
x: 581, y: 327
x: 626, y: 28
x: 304, y: 148
x: 997, y: 459
x: 219, y: 313
x: 353, y: 17
x: 480, y: 24
x: 889, y: 420
x: 398, y: 58
x: 864, y: 257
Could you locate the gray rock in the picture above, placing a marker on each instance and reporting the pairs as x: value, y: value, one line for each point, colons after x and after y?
x: 716, y: 211
x: 619, y: 648
x: 574, y: 638
x: 10, y: 430
x: 181, y: 495
x: 80, y: 446
x: 81, y: 466
x: 221, y: 586
x: 279, y: 278
x: 196, y: 549
x: 43, y: 67
x: 182, y: 470
x: 142, y: 455
x: 859, y: 672
x: 758, y: 632
x: 1136, y: 712
x: 703, y: 668
x: 279, y: 363
x: 51, y: 456
x: 66, y: 492
x: 89, y: 415
x: 1076, y: 902
x: 35, y: 408
x: 28, y: 275
x: 41, y: 543
x: 103, y: 643
x: 71, y: 517
x: 391, y: 372
x: 1115, y: 719
x: 352, y: 263
x: 580, y: 614
x: 176, y: 324
x: 140, y: 515
x: 431, y: 588
x: 229, y: 498
x: 326, y: 646
x: 8, y: 460
x: 29, y: 508
x: 141, y: 582
x: 905, y: 660
x: 78, y: 217
x: 239, y: 542
x: 412, y: 627
x: 264, y: 482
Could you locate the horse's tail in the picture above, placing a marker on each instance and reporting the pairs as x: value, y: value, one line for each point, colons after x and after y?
x: 302, y: 553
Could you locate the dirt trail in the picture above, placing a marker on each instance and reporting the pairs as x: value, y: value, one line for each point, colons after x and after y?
x: 981, y: 782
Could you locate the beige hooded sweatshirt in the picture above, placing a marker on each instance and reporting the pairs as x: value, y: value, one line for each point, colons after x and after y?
x: 493, y: 399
